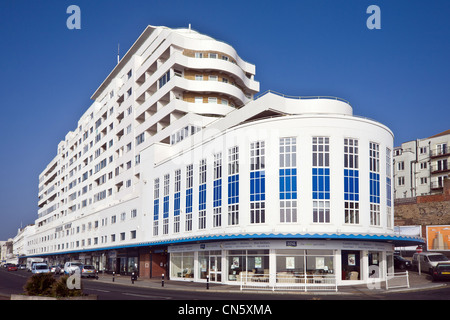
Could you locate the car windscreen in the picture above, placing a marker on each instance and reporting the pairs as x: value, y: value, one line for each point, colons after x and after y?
x: 443, y: 268
x: 437, y: 258
x: 41, y: 267
x: 401, y: 258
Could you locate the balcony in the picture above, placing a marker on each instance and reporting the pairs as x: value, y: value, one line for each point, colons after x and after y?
x: 442, y: 152
x: 437, y: 185
x: 440, y: 167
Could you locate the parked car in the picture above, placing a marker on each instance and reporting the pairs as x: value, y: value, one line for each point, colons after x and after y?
x: 71, y: 267
x: 428, y: 260
x: 441, y: 271
x: 21, y: 266
x: 40, y: 268
x: 402, y: 263
x: 88, y: 271
x: 12, y: 267
x: 55, y: 269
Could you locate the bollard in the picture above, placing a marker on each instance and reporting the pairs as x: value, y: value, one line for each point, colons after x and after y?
x: 133, y: 277
x: 162, y: 282
x: 207, y: 282
x: 113, y: 275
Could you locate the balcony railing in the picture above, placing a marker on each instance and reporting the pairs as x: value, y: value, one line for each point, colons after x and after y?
x: 440, y: 168
x: 445, y: 151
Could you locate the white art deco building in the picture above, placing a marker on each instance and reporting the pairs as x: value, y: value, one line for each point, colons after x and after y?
x: 177, y: 168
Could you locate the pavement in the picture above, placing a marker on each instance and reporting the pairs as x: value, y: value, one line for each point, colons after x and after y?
x: 416, y: 282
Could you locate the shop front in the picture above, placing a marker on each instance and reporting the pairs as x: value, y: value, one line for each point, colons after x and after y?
x: 230, y: 262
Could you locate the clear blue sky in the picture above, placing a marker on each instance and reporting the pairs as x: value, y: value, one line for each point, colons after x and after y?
x: 398, y: 75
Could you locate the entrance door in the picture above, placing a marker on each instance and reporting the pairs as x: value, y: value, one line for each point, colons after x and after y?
x: 351, y: 265
x: 215, y: 268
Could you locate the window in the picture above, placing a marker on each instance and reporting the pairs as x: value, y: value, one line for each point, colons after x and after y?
x: 212, y: 78
x: 321, y: 211
x: 164, y: 79
x: 389, y: 217
x: 217, y: 191
x: 140, y: 138
x: 401, y: 165
x: 199, y: 77
x: 202, y: 195
x: 351, y: 181
x: 156, y: 207
x: 198, y: 99
x: 212, y: 100
x: 189, y: 188
x: 321, y: 179
x: 166, y: 204
x: 401, y: 181
x: 257, y: 182
x: 257, y: 156
x: 176, y: 201
x: 288, y: 180
x: 129, y: 74
x: 374, y: 159
x: 233, y: 185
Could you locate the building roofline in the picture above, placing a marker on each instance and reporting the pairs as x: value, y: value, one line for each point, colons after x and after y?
x: 126, y: 58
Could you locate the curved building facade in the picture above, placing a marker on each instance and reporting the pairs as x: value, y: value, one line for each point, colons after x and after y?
x: 177, y: 168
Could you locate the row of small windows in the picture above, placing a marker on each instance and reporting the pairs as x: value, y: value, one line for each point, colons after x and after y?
x: 68, y: 230
x: 321, y: 189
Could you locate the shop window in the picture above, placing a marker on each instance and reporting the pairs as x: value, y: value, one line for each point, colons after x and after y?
x: 247, y: 263
x: 182, y: 265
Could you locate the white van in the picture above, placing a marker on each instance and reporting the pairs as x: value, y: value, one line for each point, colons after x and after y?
x: 428, y: 260
x: 71, y: 267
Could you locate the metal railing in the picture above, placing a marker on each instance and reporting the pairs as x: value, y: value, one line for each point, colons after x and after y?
x: 300, y: 97
x: 289, y: 282
x: 397, y: 280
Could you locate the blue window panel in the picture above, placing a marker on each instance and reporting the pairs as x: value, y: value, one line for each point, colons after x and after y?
x: 156, y: 210
x: 374, y: 187
x: 282, y: 184
x: 176, y: 204
x: 166, y: 207
x: 189, y: 200
x: 257, y: 186
x: 202, y: 197
x: 217, y: 197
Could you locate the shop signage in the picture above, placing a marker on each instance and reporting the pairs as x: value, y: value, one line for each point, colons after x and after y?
x: 291, y: 243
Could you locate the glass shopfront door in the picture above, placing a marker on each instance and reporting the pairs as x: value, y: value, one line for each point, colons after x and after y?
x: 215, y: 268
